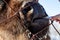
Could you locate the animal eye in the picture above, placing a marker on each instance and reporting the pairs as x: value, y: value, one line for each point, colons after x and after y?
x: 25, y: 10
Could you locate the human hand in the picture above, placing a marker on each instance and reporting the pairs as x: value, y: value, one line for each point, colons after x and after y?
x: 57, y: 18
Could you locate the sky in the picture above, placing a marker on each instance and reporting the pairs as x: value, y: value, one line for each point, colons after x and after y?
x: 52, y: 7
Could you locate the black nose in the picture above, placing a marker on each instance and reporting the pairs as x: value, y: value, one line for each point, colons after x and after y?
x: 25, y: 10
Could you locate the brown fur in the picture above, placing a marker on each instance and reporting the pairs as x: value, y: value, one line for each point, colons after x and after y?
x: 11, y: 29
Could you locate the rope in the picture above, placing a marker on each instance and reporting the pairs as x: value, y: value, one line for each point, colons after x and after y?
x: 14, y: 11
x: 56, y: 29
x: 9, y: 5
x: 44, y: 29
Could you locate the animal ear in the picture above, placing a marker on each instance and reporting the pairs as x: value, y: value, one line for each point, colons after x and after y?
x: 29, y: 14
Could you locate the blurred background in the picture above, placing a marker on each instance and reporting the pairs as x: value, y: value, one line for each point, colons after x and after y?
x: 52, y: 8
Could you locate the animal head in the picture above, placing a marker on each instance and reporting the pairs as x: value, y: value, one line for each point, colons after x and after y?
x: 25, y: 13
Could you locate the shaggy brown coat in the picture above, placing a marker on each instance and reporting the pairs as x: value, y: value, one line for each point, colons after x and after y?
x: 10, y: 27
